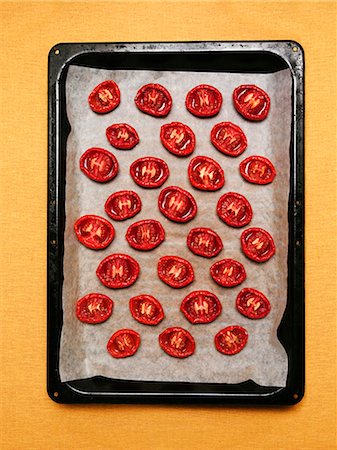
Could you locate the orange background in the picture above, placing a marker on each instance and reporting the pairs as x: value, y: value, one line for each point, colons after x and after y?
x: 30, y: 420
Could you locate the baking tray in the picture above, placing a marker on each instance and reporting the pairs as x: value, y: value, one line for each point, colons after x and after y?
x: 244, y: 57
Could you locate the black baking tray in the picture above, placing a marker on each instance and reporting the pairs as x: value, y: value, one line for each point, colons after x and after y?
x: 250, y: 57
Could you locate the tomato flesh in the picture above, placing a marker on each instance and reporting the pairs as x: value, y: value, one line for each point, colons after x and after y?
x: 204, y: 242
x: 251, y: 102
x: 231, y: 340
x: 123, y: 205
x: 228, y: 138
x: 122, y: 136
x: 175, y: 271
x: 205, y: 174
x: 123, y: 343
x: 145, y: 234
x: 94, y: 308
x: 177, y: 138
x: 149, y: 172
x: 201, y: 307
x: 105, y: 97
x: 154, y: 99
x: 118, y: 271
x: 252, y: 303
x: 257, y: 244
x: 234, y: 209
x: 177, y: 204
x: 204, y: 101
x: 94, y: 232
x: 99, y: 165
x: 146, y: 309
x: 177, y: 342
x: 257, y: 170
x: 228, y: 272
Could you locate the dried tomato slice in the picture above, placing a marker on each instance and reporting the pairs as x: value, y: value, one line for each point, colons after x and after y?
x: 257, y: 244
x: 122, y: 205
x: 146, y: 309
x: 122, y: 136
x: 149, y: 172
x: 94, y: 232
x: 123, y: 343
x: 177, y: 204
x: 105, y: 97
x: 99, y: 165
x: 205, y: 174
x: 175, y: 271
x: 177, y: 138
x: 257, y: 170
x: 154, y: 99
x: 145, y: 234
x: 234, y: 209
x: 252, y: 303
x: 94, y: 308
x: 201, y: 307
x: 118, y: 271
x: 251, y: 102
x: 177, y: 342
x: 228, y: 272
x: 204, y: 242
x: 204, y: 101
x: 228, y: 138
x: 231, y: 340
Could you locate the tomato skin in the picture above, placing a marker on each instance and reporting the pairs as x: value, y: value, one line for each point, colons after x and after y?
x: 122, y: 136
x: 228, y: 272
x: 198, y: 99
x: 118, y: 271
x: 175, y: 271
x: 177, y: 342
x: 123, y: 343
x: 229, y: 139
x: 149, y: 172
x: 84, y: 226
x: 145, y: 227
x: 184, y: 145
x: 94, y: 159
x: 234, y: 209
x: 146, y: 309
x: 250, y: 109
x: 105, y: 97
x: 114, y: 205
x: 154, y: 92
x: 252, y: 303
x: 214, y: 179
x: 227, y: 346
x: 177, y: 204
x: 203, y: 302
x: 94, y: 308
x: 257, y: 244
x: 196, y: 242
x: 253, y: 169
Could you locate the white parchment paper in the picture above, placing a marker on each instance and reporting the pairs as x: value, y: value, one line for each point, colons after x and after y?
x: 83, y: 351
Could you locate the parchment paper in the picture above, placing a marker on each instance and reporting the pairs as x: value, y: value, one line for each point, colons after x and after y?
x: 83, y: 347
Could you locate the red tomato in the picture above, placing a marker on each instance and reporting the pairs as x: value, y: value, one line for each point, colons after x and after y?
x: 118, y: 271
x: 177, y: 138
x: 231, y: 340
x: 154, y: 99
x: 99, y: 164
x: 94, y: 232
x: 149, y: 172
x: 252, y: 303
x: 228, y: 138
x: 145, y: 234
x: 228, y: 272
x: 204, y: 101
x: 257, y: 244
x: 257, y: 170
x: 251, y: 102
x: 177, y: 204
x: 177, y: 342
x: 175, y: 271
x: 146, y: 309
x: 205, y: 174
x: 122, y: 136
x: 234, y: 209
x: 204, y: 242
x: 94, y: 308
x: 201, y: 307
x: 105, y: 97
x: 123, y: 343
x: 123, y: 205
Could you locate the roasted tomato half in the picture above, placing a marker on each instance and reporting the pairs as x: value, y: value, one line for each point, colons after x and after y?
x: 252, y: 303
x: 122, y: 136
x: 204, y: 242
x: 257, y: 244
x: 234, y: 209
x: 177, y: 138
x: 251, y: 102
x: 149, y: 172
x: 228, y: 272
x: 99, y: 164
x: 177, y: 204
x: 205, y: 174
x: 146, y: 309
x: 257, y: 170
x: 204, y: 101
x: 123, y: 205
x: 145, y: 234
x: 154, y: 99
x: 123, y: 343
x: 177, y: 342
x: 228, y: 139
x: 118, y: 271
x: 94, y: 308
x: 105, y: 97
x: 231, y: 340
x: 175, y: 271
x: 201, y: 307
x: 94, y: 232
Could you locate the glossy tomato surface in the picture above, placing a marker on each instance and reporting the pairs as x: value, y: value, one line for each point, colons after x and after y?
x: 146, y: 309
x: 118, y: 271
x: 154, y: 99
x: 205, y: 174
x: 122, y: 205
x: 201, y: 307
x: 252, y: 303
x: 99, y: 165
x: 204, y: 242
x: 123, y: 343
x: 177, y: 342
x: 257, y: 170
x: 177, y: 138
x: 234, y: 209
x: 105, y: 97
x: 94, y: 308
x: 228, y: 272
x: 145, y: 234
x: 257, y: 244
x: 231, y: 340
x: 149, y: 172
x: 228, y: 138
x: 251, y: 102
x: 175, y: 271
x: 204, y: 101
x: 122, y: 136
x: 94, y: 232
x: 177, y: 204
